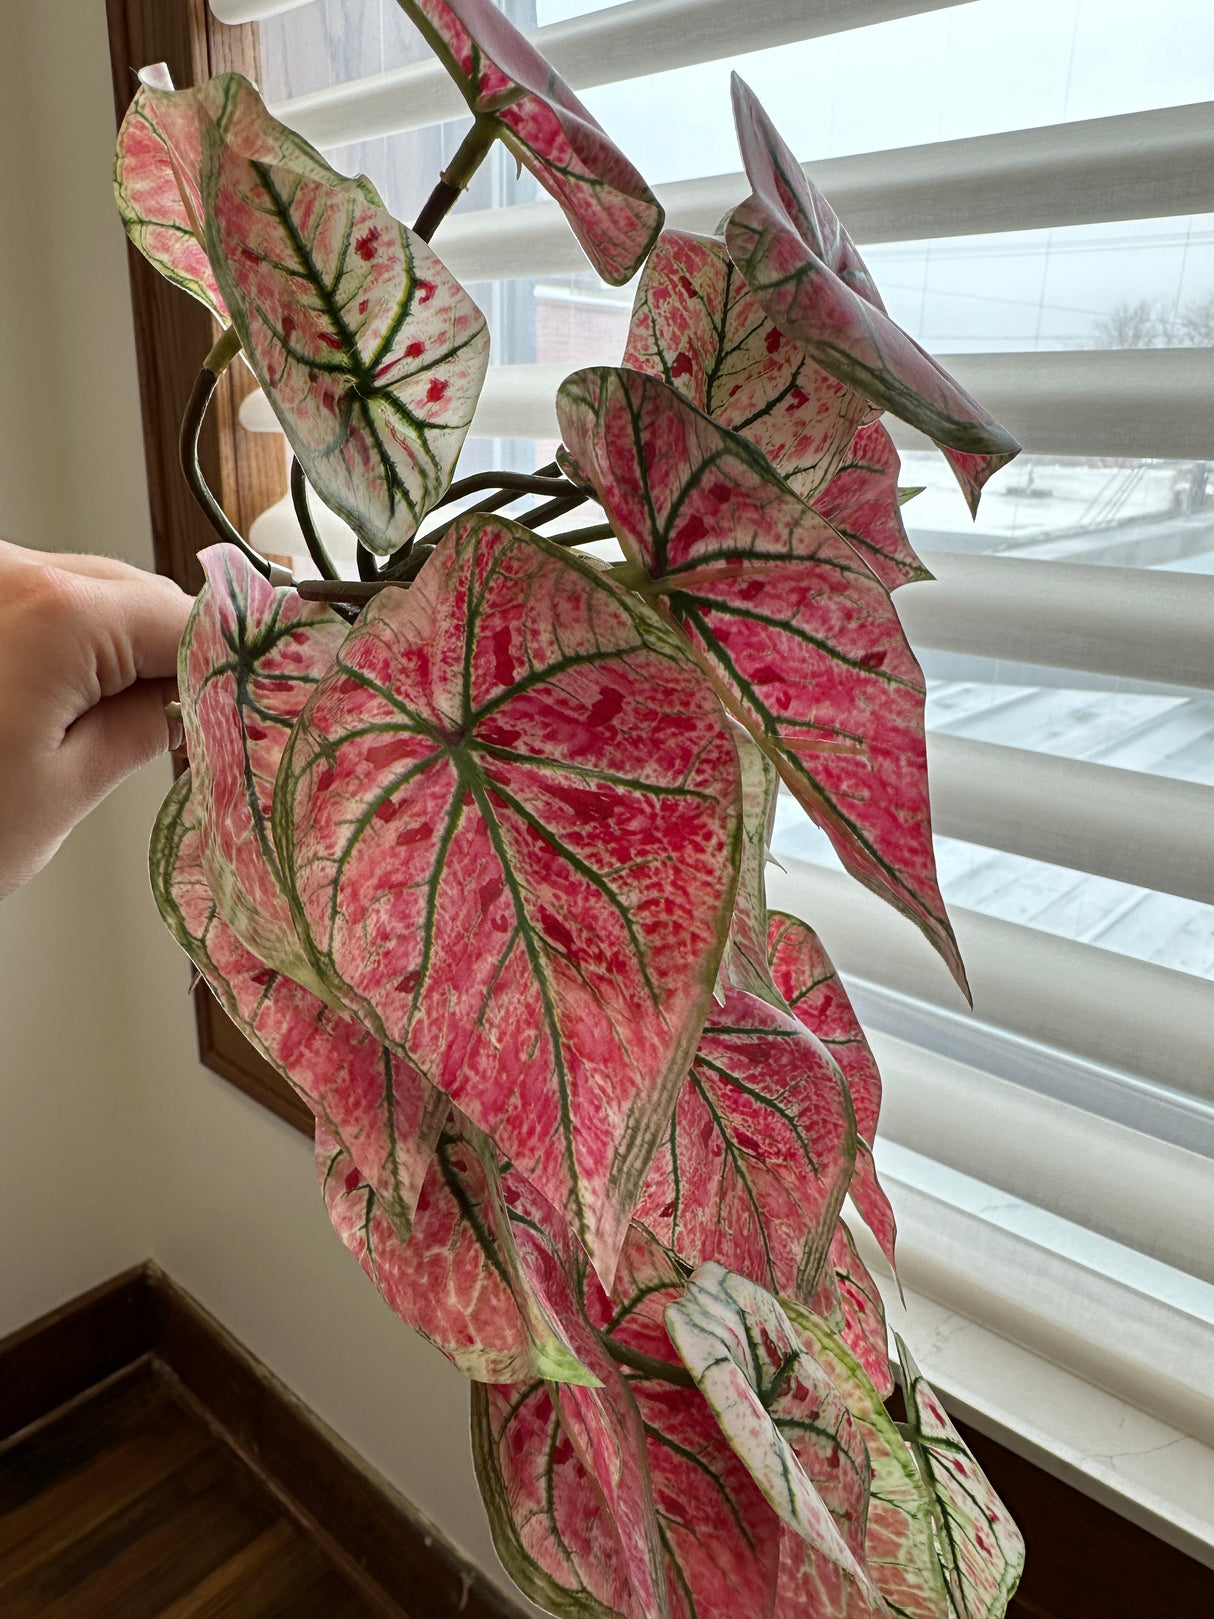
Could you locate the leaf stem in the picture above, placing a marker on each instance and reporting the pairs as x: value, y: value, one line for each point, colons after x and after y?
x: 303, y: 515
x: 224, y: 350
x: 552, y: 509
x: 456, y: 176
x: 648, y: 1365
x: 583, y: 536
x: 522, y: 483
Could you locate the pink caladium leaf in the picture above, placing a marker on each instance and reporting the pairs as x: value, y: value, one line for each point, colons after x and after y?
x: 387, y: 1115
x: 980, y: 1548
x: 760, y: 1151
x: 249, y: 660
x: 806, y: 978
x: 744, y: 964
x: 501, y: 76
x: 850, y: 1301
x: 551, y: 781
x: 804, y: 270
x: 156, y: 186
x: 697, y: 326
x: 788, y: 1424
x: 473, y: 1278
x: 369, y: 350
x: 864, y: 503
x: 799, y: 636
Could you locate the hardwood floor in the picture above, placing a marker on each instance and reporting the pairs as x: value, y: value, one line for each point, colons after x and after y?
x: 123, y: 1505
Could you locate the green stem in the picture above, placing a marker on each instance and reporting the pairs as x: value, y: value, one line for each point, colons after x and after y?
x: 457, y: 176
x: 225, y: 350
x: 648, y: 1365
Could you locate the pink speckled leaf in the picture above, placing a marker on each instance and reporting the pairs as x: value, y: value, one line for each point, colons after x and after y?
x: 788, y: 1424
x: 473, y: 1278
x: 387, y: 1115
x: 551, y: 781
x: 806, y: 978
x: 760, y: 1151
x: 799, y: 636
x: 156, y: 185
x: 850, y: 1301
x: 981, y: 1550
x: 249, y: 660
x: 806, y: 273
x: 696, y: 324
x: 369, y: 350
x: 864, y: 503
x: 744, y: 964
x: 500, y: 74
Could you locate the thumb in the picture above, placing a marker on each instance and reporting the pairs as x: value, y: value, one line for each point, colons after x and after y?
x: 114, y: 738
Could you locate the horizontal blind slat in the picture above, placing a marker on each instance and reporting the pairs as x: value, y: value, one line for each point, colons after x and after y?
x: 600, y: 47
x: 1152, y: 831
x: 1143, y: 165
x: 1130, y: 1015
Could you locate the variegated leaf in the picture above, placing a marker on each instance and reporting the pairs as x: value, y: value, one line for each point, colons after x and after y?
x: 719, y: 1536
x: 474, y: 1277
x: 813, y: 285
x: 156, y: 168
x: 806, y: 978
x: 864, y: 503
x: 785, y: 1420
x: 369, y: 350
x: 799, y: 636
x: 552, y: 784
x: 850, y: 1302
x: 249, y: 659
x: 696, y: 324
x: 899, y: 1542
x: 760, y: 1151
x: 744, y: 964
x: 387, y: 1115
x: 981, y: 1550
x: 500, y: 74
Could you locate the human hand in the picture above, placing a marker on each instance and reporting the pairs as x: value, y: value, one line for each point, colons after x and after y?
x: 88, y: 659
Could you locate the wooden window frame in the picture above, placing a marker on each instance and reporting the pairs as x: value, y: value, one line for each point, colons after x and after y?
x: 246, y: 470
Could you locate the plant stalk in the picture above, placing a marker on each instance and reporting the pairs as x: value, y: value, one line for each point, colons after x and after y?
x: 648, y: 1365
x: 456, y: 177
x: 303, y: 515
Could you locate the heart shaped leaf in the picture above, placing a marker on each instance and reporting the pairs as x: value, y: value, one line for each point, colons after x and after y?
x: 798, y: 635
x: 806, y: 978
x: 501, y: 76
x: 249, y: 659
x: 788, y: 1424
x: 981, y: 1550
x: 156, y: 168
x: 552, y: 784
x: 804, y: 270
x: 474, y: 1276
x: 387, y: 1115
x: 760, y: 1151
x: 864, y: 503
x: 850, y: 1302
x: 697, y: 326
x: 369, y: 350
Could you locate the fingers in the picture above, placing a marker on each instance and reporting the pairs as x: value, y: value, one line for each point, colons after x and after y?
x: 115, y: 737
x: 134, y: 627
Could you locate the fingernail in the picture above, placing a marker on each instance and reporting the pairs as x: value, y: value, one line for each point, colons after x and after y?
x: 172, y: 714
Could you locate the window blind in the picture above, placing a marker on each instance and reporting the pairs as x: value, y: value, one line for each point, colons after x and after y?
x: 1069, y: 643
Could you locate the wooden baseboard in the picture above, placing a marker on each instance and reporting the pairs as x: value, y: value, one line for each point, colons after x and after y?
x: 402, y: 1562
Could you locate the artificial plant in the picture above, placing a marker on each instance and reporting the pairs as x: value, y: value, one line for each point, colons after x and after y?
x: 473, y: 848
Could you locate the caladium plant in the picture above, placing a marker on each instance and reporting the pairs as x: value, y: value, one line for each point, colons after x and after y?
x: 473, y: 848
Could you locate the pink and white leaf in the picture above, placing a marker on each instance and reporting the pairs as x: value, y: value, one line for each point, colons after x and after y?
x: 981, y: 1550
x: 806, y: 978
x: 785, y: 1420
x: 864, y: 503
x: 472, y: 1279
x: 156, y: 167
x: 500, y: 74
x: 697, y: 326
x: 804, y: 270
x: 796, y: 632
x: 532, y: 754
x: 250, y: 658
x: 760, y: 1151
x: 851, y: 1303
x: 387, y: 1115
x: 369, y: 350
x: 744, y: 964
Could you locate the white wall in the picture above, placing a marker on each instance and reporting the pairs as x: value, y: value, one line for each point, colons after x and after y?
x: 118, y: 1145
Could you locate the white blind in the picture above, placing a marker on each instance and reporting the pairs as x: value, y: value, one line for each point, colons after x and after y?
x: 1050, y: 212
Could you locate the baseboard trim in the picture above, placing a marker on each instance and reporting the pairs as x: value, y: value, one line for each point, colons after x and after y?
x: 401, y: 1561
